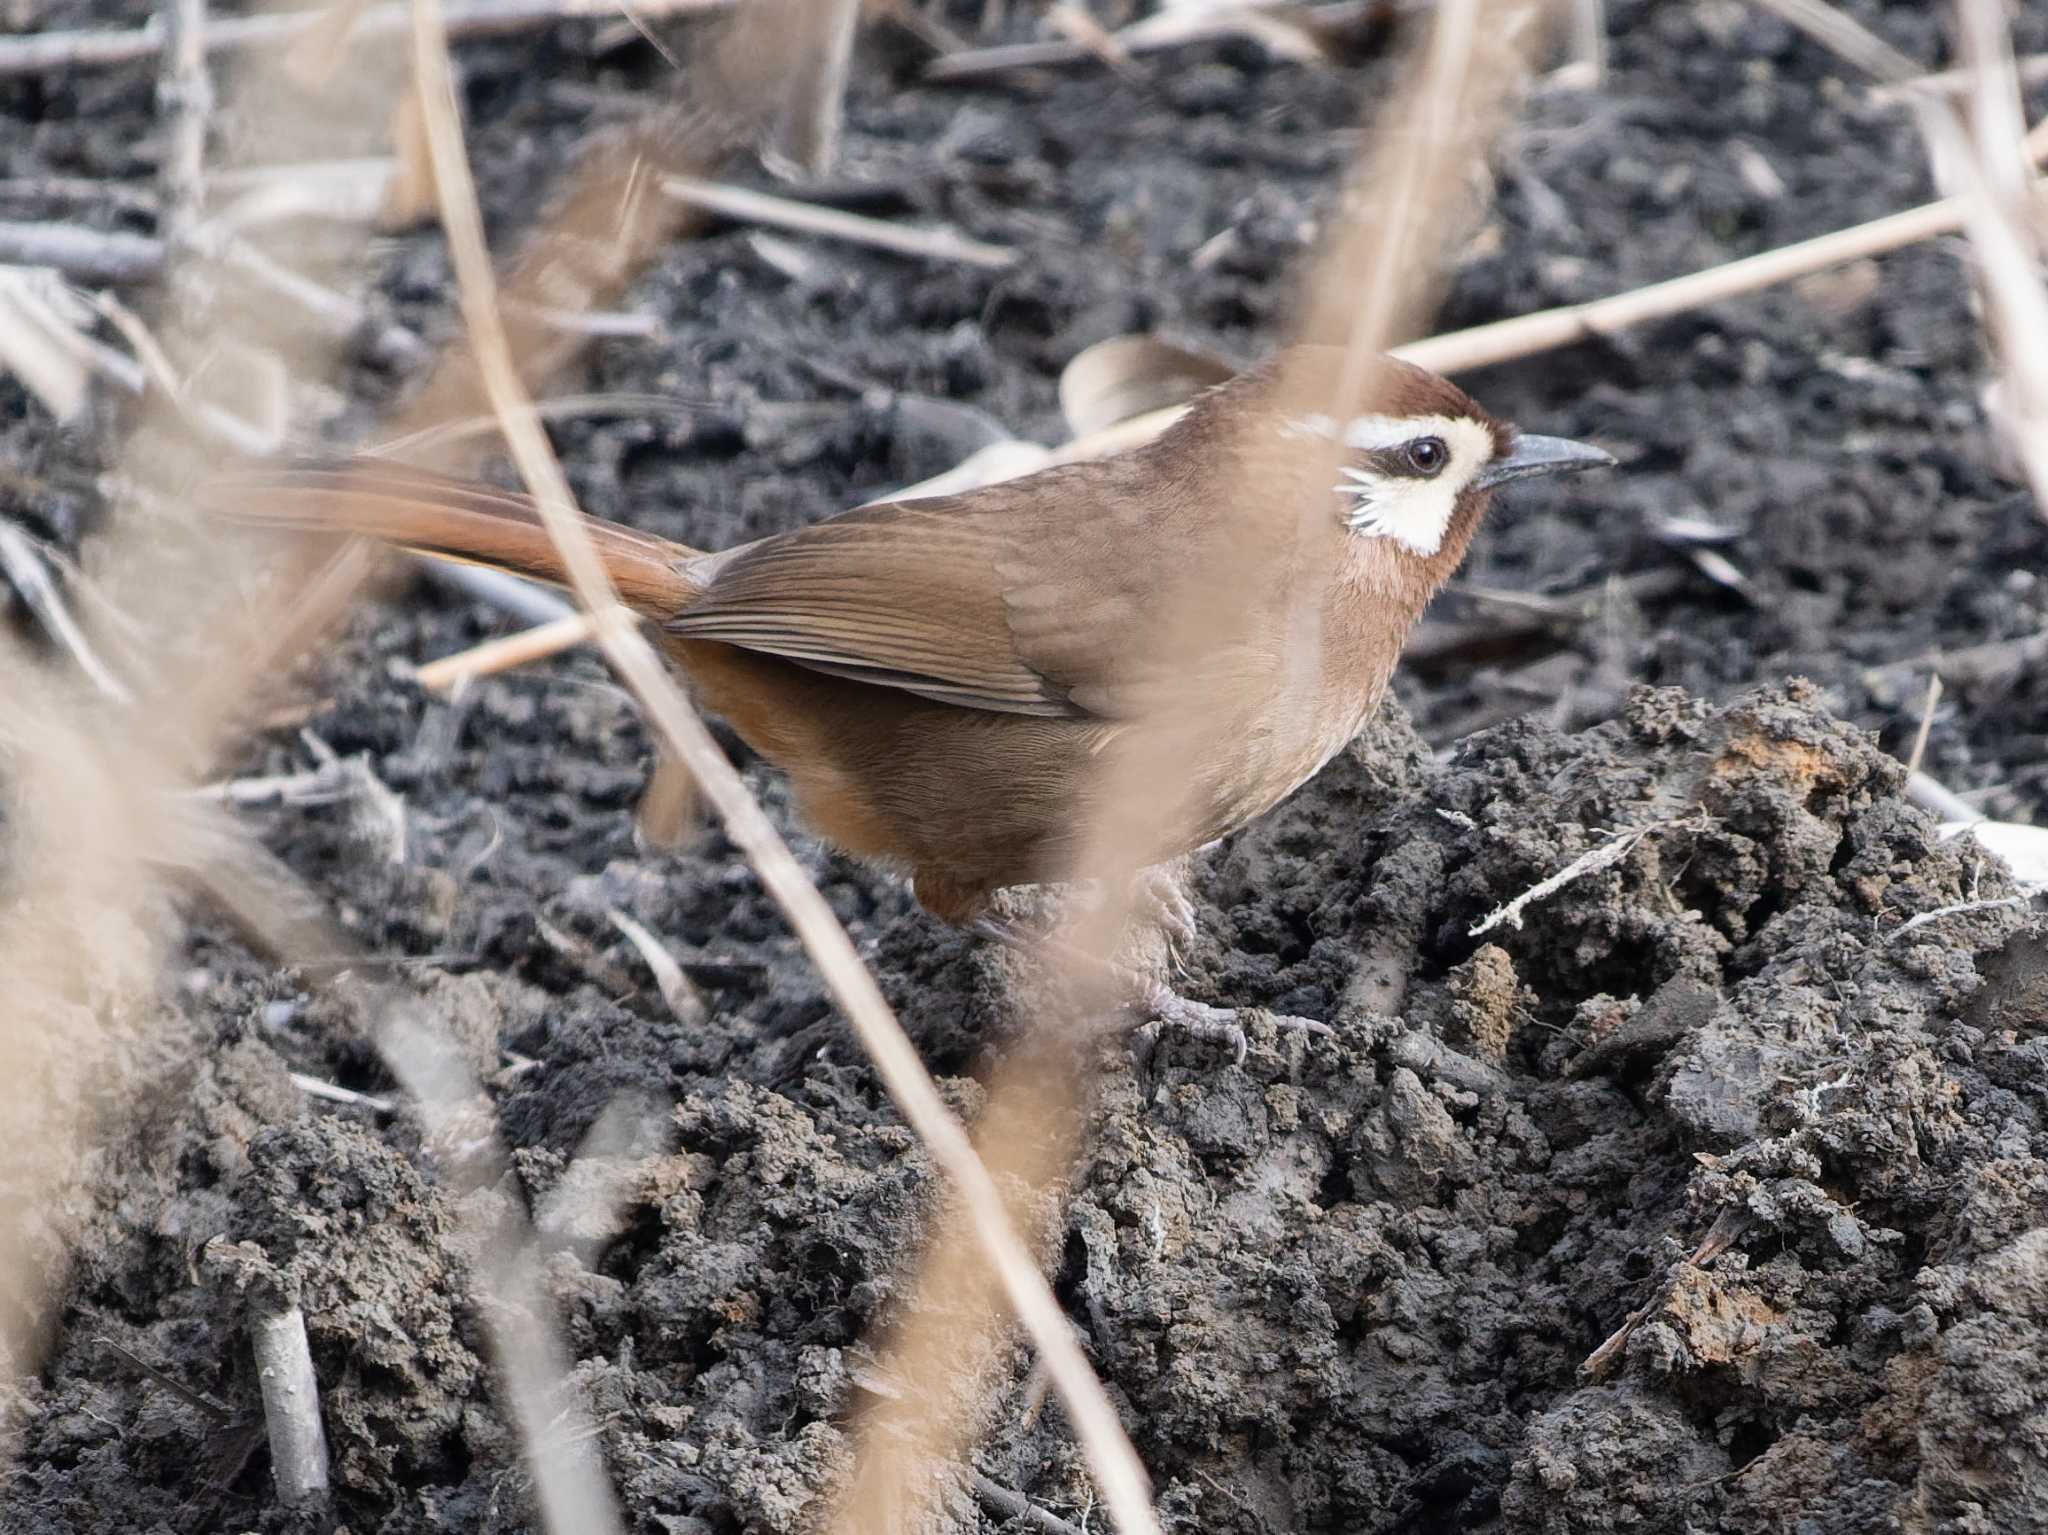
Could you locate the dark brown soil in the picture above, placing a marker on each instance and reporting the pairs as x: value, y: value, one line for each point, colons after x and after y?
x: 1350, y: 1284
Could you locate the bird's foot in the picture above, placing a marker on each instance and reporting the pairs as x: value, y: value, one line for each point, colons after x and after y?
x: 1156, y: 1001
x: 1147, y: 1001
x: 1157, y: 897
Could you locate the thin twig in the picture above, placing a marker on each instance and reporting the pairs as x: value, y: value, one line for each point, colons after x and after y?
x: 524, y: 600
x: 926, y: 242
x: 291, y: 1401
x: 1008, y: 1504
x: 677, y: 989
x: 1931, y: 796
x: 1109, y: 1453
x: 114, y: 196
x: 1602, y: 856
x: 1919, y: 751
x: 85, y: 255
x: 1959, y: 909
x: 636, y: 324
x: 502, y: 655
x: 184, y: 96
x: 331, y: 1092
x: 1993, y: 664
x: 49, y: 52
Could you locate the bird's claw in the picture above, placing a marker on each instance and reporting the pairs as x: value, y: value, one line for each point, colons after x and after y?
x: 1198, y: 1020
x: 1211, y: 1025
x: 1157, y: 897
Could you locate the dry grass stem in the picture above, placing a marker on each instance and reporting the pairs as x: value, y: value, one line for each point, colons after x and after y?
x: 925, y: 242
x: 48, y: 52
x: 805, y: 137
x: 2007, y: 223
x: 502, y: 655
x: 1378, y: 274
x: 1588, y: 43
x: 316, y: 786
x: 1110, y: 1456
x: 1846, y: 37
x: 2031, y: 70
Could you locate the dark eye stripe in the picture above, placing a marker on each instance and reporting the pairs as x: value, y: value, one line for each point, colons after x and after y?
x: 1396, y: 463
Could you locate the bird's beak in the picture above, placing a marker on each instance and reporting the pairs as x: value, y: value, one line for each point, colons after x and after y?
x: 1534, y: 455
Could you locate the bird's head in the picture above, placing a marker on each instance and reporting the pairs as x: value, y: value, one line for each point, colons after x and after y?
x: 1401, y: 459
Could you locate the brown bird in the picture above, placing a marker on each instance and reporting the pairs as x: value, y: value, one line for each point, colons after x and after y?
x: 947, y: 681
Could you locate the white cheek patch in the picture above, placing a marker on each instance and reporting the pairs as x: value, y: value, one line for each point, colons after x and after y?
x: 1415, y: 513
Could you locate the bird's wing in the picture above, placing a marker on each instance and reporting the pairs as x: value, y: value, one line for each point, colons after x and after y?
x: 1021, y: 598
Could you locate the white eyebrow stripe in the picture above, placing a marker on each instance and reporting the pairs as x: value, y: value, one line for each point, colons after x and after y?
x: 1310, y: 426
x: 1367, y: 434
x: 1373, y: 434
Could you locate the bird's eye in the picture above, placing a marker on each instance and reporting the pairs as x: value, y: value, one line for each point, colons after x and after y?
x: 1428, y: 455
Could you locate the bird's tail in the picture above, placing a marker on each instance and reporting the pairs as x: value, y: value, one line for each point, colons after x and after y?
x: 452, y: 520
